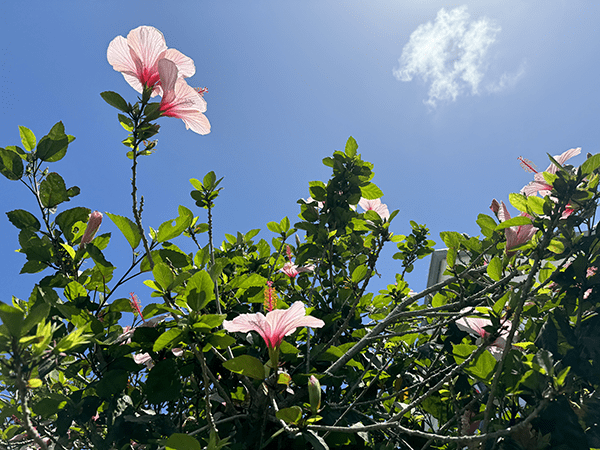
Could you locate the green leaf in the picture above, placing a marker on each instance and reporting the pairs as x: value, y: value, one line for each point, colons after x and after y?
x: 494, y: 269
x: 291, y: 415
x: 126, y: 122
x: 487, y: 224
x: 23, y: 220
x: 168, y: 338
x: 590, y: 164
x: 515, y: 221
x: 72, y: 340
x: 97, y: 255
x: 317, y: 442
x: 66, y: 219
x: 246, y: 365
x: 163, y: 275
x: 351, y: 147
x: 209, y: 180
x: 556, y: 246
x: 128, y: 228
x: 274, y: 227
x: 27, y: 138
x: 115, y: 100
x: 371, y: 192
x: 482, y: 367
x: 451, y: 238
x: 11, y: 165
x: 519, y: 201
x: 209, y: 321
x: 36, y: 315
x: 359, y: 273
x: 200, y: 290
x: 113, y: 382
x: 12, y: 318
x: 53, y: 146
x: 167, y: 230
x: 535, y: 204
x: 164, y: 382
x: 53, y: 190
x: 179, y: 441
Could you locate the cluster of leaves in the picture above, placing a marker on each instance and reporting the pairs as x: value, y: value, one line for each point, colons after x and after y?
x: 395, y: 367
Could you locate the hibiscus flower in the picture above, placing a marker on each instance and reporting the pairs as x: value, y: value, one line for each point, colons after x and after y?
x: 539, y: 184
x: 137, y: 56
x: 274, y: 326
x: 517, y: 234
x: 180, y: 100
x: 477, y: 325
x: 375, y: 205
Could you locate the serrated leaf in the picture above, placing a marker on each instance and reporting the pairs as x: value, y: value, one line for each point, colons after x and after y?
x: 163, y: 275
x: 12, y: 318
x: 72, y: 340
x: 351, y: 147
x: 167, y: 230
x: 66, y: 219
x: 199, y: 290
x: 115, y: 100
x: 371, y: 192
x: 590, y: 164
x: 451, y: 238
x: 23, y: 220
x: 53, y: 146
x: 246, y: 365
x: 27, y: 138
x: 53, y: 190
x: 128, y: 228
x: 11, y: 164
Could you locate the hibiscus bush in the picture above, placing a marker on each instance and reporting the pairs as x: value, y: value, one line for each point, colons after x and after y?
x: 257, y: 344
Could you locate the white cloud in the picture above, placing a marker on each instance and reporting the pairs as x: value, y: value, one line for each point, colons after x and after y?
x: 450, y: 54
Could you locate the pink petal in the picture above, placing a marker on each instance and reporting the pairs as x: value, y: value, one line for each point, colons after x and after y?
x: 503, y: 214
x: 562, y: 158
x: 119, y: 56
x: 142, y: 358
x: 148, y: 44
x: 185, y: 64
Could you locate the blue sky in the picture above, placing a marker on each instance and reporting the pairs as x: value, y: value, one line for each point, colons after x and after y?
x: 442, y: 102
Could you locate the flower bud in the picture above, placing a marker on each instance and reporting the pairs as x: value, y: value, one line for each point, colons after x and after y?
x: 92, y: 226
x: 314, y: 394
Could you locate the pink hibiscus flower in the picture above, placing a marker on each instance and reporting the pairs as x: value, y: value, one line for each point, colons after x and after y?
x: 137, y: 56
x: 180, y: 100
x: 274, y: 326
x: 291, y: 269
x: 375, y: 205
x: 539, y: 184
x: 515, y: 235
x: 476, y: 326
x: 92, y: 227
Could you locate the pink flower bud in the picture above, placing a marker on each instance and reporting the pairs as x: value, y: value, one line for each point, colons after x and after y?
x: 314, y: 394
x: 92, y: 226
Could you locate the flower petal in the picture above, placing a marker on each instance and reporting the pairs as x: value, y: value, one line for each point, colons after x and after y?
x: 185, y: 64
x: 148, y: 44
